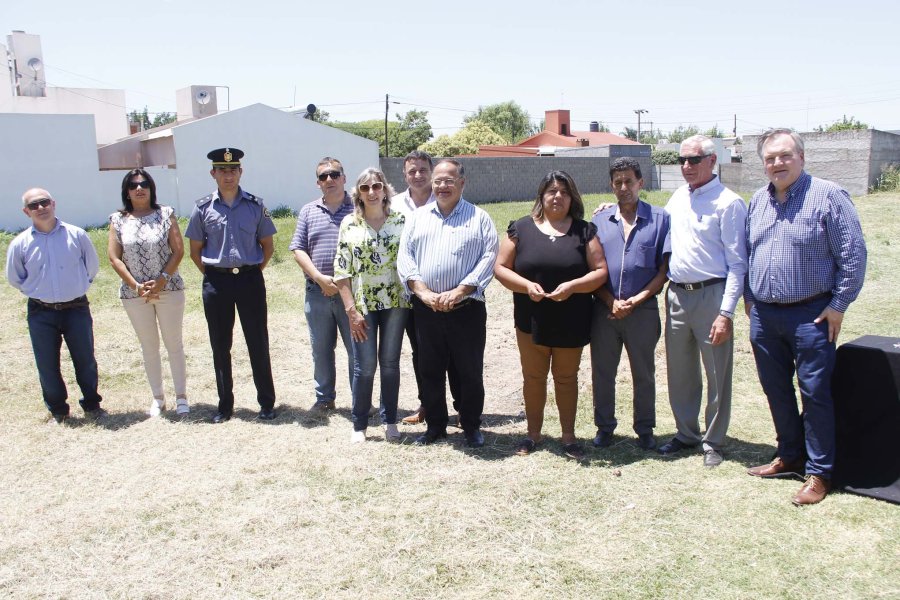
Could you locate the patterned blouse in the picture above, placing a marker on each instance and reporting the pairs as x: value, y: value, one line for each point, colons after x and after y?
x: 369, y: 258
x: 145, y: 247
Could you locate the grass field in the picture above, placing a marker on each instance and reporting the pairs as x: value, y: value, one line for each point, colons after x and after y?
x: 166, y: 508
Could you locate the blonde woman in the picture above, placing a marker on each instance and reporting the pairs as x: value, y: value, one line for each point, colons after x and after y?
x: 365, y: 271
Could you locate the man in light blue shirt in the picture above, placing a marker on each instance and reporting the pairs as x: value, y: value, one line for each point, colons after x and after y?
x: 706, y: 270
x: 446, y: 260
x: 53, y: 264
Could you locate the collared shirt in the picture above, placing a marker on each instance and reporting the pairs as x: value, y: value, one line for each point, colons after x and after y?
x: 634, y: 262
x: 708, y: 238
x: 56, y: 266
x: 809, y: 244
x: 369, y: 259
x: 403, y: 203
x: 317, y: 232
x: 445, y: 252
x: 230, y: 235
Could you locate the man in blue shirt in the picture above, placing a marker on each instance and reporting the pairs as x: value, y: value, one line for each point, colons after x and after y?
x: 231, y: 242
x: 807, y: 264
x: 53, y: 264
x: 635, y: 239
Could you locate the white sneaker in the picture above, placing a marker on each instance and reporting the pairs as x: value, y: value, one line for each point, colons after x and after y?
x: 391, y: 433
x: 181, y: 406
x: 156, y: 407
x: 357, y: 437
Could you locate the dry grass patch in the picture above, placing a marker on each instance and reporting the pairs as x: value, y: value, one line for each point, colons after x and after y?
x: 184, y: 509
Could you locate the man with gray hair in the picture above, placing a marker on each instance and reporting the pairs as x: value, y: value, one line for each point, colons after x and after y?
x: 807, y: 262
x: 54, y: 263
x: 706, y: 270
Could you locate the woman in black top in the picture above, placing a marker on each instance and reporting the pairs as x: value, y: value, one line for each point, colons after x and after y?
x: 552, y: 262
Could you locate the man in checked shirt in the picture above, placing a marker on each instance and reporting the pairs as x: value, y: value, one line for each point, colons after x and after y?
x: 807, y: 263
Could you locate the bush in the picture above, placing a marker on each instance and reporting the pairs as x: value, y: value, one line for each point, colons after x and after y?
x: 664, y: 157
x: 282, y: 211
x: 889, y: 180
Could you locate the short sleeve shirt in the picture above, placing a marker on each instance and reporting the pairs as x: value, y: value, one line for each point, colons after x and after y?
x: 230, y: 235
x: 145, y: 247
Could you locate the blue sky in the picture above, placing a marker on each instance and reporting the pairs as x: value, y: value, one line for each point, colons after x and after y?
x: 797, y: 64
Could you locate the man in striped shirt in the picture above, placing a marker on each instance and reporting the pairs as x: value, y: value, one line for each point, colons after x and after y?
x: 807, y: 263
x: 314, y: 245
x: 446, y: 260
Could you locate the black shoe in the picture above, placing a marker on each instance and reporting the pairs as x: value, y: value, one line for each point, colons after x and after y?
x: 430, y: 437
x: 474, y: 438
x: 58, y: 419
x: 646, y: 441
x: 574, y: 451
x: 674, y: 445
x: 712, y: 458
x: 603, y: 439
x: 96, y: 414
x: 221, y: 418
x: 266, y: 414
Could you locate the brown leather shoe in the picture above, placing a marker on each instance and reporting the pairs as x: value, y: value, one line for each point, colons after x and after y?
x: 779, y: 468
x: 813, y: 491
x: 415, y: 418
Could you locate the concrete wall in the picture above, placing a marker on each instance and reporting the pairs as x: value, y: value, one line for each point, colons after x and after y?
x: 282, y: 151
x: 885, y: 152
x: 55, y: 152
x: 667, y: 177
x: 496, y: 179
x: 107, y: 106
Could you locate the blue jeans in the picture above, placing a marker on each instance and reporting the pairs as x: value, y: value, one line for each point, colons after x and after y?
x: 48, y: 328
x: 384, y: 339
x: 325, y: 316
x: 785, y: 339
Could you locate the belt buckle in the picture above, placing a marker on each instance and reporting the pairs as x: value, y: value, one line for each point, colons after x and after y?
x: 690, y: 287
x: 235, y: 270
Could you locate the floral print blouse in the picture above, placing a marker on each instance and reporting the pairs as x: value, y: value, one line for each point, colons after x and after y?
x: 145, y: 247
x: 369, y: 259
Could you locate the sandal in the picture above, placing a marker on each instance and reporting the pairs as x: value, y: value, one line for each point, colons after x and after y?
x: 525, y: 447
x: 574, y: 451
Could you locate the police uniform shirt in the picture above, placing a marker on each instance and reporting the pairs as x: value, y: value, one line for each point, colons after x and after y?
x: 230, y: 235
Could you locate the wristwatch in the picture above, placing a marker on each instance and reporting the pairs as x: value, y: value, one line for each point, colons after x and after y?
x: 165, y: 276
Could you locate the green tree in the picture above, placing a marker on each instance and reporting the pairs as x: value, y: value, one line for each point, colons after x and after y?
x: 141, y: 118
x: 405, y: 134
x: 681, y: 133
x: 320, y: 116
x: 601, y: 126
x: 664, y: 157
x: 163, y: 118
x: 507, y: 119
x: 844, y: 124
x: 630, y: 133
x: 714, y: 132
x: 465, y: 141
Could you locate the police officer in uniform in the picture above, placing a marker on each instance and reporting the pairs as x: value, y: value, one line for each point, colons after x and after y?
x: 230, y: 233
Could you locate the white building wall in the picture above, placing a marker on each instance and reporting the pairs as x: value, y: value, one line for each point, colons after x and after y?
x: 107, y: 106
x: 282, y: 152
x: 55, y: 152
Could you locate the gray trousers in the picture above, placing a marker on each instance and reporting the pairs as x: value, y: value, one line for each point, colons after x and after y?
x: 638, y: 332
x: 689, y: 317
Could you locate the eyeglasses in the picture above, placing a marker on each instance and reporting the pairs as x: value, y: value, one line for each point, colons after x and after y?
x: 448, y: 182
x: 42, y: 203
x: 335, y: 175
x: 375, y: 187
x: 694, y: 160
x: 133, y: 185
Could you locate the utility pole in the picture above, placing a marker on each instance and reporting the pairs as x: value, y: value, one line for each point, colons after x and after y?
x: 734, y: 131
x: 386, y: 103
x: 638, y: 112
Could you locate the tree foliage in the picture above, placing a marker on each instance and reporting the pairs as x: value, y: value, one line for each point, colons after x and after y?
x: 630, y: 133
x: 142, y: 118
x: 844, y: 124
x: 465, y: 141
x: 664, y: 157
x: 320, y: 116
x: 405, y: 134
x: 507, y: 119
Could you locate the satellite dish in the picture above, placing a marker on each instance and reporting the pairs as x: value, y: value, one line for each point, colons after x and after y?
x: 35, y: 64
x: 202, y: 97
x: 310, y: 109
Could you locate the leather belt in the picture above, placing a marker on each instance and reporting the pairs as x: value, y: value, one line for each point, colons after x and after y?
x: 457, y: 306
x: 231, y: 270
x: 801, y: 302
x: 700, y: 284
x: 80, y: 301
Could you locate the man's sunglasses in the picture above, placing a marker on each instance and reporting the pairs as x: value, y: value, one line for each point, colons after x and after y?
x: 133, y: 185
x: 42, y: 203
x: 335, y: 175
x: 694, y: 160
x: 375, y: 187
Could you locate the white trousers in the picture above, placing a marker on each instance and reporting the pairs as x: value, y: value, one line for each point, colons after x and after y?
x: 150, y: 319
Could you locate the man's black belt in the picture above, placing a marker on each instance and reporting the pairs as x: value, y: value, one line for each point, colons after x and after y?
x: 231, y: 270
x: 457, y: 306
x: 80, y: 301
x: 700, y: 284
x: 802, y: 302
